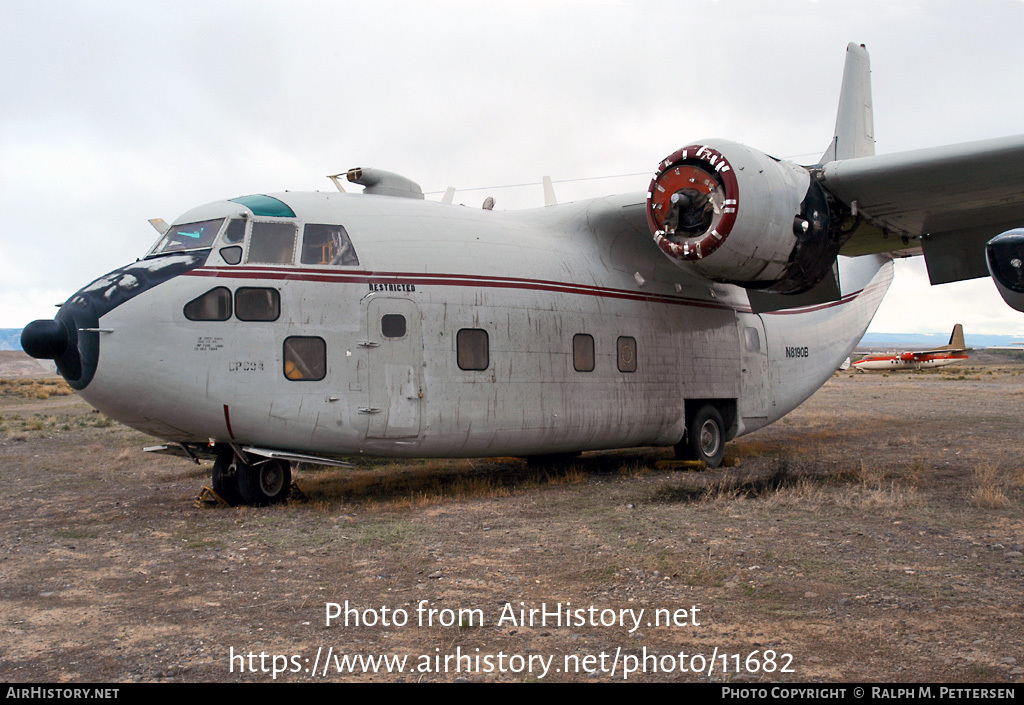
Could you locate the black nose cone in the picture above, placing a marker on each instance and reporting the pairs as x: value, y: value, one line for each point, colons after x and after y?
x: 45, y: 339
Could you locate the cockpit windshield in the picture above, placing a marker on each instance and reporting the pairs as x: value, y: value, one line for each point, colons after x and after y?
x: 189, y: 236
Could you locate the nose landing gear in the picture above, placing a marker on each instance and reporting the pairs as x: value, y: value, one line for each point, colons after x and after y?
x: 258, y: 482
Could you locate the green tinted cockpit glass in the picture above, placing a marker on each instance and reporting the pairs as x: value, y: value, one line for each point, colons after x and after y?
x: 189, y: 236
x: 265, y: 206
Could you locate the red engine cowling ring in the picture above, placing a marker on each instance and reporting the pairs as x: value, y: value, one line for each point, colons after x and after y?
x: 703, y: 169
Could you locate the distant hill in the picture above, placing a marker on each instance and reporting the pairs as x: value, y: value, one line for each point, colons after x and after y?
x: 10, y: 338
x: 934, y: 340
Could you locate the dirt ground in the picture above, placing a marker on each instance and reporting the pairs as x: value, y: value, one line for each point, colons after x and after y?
x: 875, y: 534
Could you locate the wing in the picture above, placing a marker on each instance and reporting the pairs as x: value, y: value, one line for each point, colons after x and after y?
x: 946, y: 202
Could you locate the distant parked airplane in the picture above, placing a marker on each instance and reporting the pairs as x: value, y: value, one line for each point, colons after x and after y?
x: 948, y: 354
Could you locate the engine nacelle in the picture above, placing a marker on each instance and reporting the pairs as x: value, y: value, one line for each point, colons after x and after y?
x: 1005, y: 257
x: 732, y: 214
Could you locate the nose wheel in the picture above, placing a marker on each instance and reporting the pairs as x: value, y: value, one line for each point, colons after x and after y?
x: 259, y: 483
x: 225, y: 477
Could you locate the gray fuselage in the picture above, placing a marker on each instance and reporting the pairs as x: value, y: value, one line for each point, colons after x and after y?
x: 456, y: 332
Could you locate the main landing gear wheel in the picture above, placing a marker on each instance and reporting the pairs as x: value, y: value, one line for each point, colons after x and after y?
x: 265, y: 482
x: 705, y: 438
x: 225, y: 477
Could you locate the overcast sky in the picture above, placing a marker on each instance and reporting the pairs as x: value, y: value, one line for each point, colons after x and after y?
x: 115, y: 112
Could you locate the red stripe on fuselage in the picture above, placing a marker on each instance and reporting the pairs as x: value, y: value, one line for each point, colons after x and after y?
x: 820, y: 307
x: 467, y: 280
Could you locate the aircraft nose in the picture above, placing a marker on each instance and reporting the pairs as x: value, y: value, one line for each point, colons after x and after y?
x: 45, y: 339
x: 61, y: 340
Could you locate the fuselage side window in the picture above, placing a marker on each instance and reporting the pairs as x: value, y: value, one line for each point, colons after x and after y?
x: 305, y: 358
x: 751, y: 339
x: 626, y: 354
x: 472, y: 349
x: 189, y: 236
x: 214, y: 305
x: 583, y: 352
x: 392, y: 325
x: 272, y: 243
x: 257, y: 304
x: 327, y: 245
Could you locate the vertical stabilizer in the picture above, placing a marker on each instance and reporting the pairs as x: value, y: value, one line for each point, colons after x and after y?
x: 855, y: 125
x: 956, y: 339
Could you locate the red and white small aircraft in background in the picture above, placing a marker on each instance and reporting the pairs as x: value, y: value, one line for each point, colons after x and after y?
x: 954, y: 351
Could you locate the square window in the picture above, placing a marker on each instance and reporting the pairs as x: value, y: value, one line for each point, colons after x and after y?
x: 472, y: 349
x: 305, y: 358
x: 751, y: 339
x: 257, y: 304
x: 626, y: 354
x: 583, y: 352
x: 392, y: 325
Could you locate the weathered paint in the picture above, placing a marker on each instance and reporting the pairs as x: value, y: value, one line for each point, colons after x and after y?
x: 532, y: 280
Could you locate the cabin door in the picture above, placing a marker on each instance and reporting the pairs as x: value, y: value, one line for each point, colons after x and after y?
x: 753, y: 367
x: 394, y: 368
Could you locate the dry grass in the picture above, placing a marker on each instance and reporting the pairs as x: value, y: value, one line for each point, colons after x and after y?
x: 34, y: 388
x: 405, y: 484
x: 806, y: 486
x: 988, y: 492
x: 50, y: 423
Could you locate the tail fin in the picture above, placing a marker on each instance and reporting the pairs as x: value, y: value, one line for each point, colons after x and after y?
x: 855, y: 125
x: 956, y: 340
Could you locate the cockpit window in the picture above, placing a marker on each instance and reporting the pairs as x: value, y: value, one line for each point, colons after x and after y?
x: 327, y: 244
x: 261, y: 204
x: 235, y: 232
x: 190, y: 236
x: 272, y: 243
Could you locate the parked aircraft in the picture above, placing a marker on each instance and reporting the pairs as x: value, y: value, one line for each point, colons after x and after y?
x: 955, y: 351
x: 273, y: 328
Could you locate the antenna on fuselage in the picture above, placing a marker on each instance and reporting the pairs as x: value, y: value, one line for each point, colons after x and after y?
x: 160, y: 225
x: 337, y: 183
x: 449, y: 195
